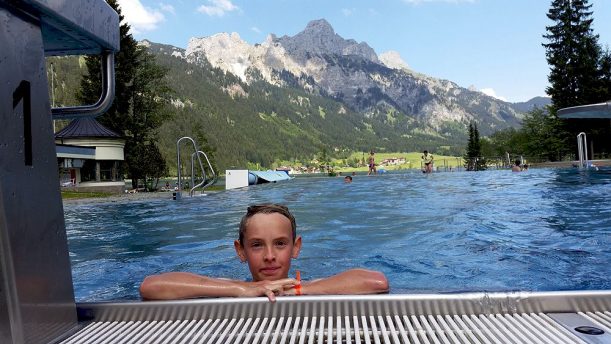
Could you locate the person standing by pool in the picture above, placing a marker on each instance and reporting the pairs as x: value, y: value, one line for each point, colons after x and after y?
x: 267, y: 241
x: 371, y: 161
x: 428, y: 162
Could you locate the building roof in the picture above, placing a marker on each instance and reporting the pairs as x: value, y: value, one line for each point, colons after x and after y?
x: 601, y: 110
x: 85, y: 127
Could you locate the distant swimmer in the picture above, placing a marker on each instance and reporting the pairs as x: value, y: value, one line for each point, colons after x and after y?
x: 516, y: 167
x: 348, y: 179
x: 428, y: 162
x: 371, y: 161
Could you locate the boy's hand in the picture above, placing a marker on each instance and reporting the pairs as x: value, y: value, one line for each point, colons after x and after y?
x: 271, y: 289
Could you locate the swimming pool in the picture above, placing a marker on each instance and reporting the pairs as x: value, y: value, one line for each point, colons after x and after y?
x: 545, y: 229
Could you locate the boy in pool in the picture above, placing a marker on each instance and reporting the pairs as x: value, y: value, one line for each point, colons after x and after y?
x: 267, y: 242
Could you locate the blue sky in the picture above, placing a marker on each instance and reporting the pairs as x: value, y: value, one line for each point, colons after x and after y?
x: 494, y: 45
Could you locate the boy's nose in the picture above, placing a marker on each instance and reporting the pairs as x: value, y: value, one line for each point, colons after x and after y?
x: 269, y: 254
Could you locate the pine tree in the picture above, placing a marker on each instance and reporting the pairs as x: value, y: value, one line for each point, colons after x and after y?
x: 474, y: 161
x: 605, y: 74
x: 573, y: 54
x: 139, y: 106
x: 579, y: 70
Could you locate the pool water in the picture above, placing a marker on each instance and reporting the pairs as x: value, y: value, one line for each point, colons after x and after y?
x: 545, y: 229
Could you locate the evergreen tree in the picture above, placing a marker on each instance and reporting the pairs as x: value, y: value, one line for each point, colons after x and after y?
x: 605, y: 74
x: 474, y: 161
x: 573, y: 54
x: 579, y: 70
x: 546, y: 136
x: 139, y: 106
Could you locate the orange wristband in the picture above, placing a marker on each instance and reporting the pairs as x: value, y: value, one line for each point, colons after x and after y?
x: 298, y: 286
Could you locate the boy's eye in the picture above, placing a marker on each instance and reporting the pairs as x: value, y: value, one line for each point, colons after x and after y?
x: 256, y: 244
x: 281, y: 243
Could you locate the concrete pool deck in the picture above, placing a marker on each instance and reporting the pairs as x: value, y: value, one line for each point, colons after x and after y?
x: 125, y: 197
x: 566, y: 164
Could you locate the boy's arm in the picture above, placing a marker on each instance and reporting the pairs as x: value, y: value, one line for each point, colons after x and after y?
x: 355, y: 281
x: 184, y: 285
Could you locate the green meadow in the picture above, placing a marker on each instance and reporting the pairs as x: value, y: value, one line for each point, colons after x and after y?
x: 412, y: 161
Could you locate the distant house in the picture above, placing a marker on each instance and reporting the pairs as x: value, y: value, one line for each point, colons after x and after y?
x: 89, y: 157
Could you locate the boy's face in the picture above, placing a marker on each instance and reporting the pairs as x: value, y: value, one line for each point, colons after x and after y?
x: 268, y: 246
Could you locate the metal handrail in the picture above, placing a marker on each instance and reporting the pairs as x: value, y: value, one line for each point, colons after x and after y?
x: 178, y: 193
x: 475, y: 303
x: 203, y: 184
x: 214, y: 175
x: 582, y: 150
x: 106, y: 98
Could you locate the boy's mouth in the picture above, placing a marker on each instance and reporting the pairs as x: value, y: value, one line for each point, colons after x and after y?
x: 270, y: 270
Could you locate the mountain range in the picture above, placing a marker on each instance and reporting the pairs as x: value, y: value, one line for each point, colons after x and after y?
x: 320, y: 61
x: 293, y: 97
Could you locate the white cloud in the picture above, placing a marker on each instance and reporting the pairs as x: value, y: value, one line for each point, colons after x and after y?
x: 167, y: 8
x: 140, y: 18
x: 255, y: 29
x: 217, y: 7
x: 417, y: 2
x: 490, y: 92
x: 347, y: 11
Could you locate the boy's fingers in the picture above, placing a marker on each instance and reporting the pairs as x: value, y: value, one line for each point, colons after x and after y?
x: 287, y: 281
x: 270, y: 295
x: 282, y: 284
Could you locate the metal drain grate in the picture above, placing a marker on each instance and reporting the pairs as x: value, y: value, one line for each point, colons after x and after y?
x: 508, y: 318
x: 603, y: 318
x: 514, y: 328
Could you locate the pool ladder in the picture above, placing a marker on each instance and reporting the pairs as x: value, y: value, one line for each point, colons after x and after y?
x: 582, y: 150
x: 206, y: 182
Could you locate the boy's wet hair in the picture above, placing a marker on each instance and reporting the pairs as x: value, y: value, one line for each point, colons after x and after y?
x: 268, y: 208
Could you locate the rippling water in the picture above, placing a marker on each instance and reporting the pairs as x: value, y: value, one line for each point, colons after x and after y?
x: 545, y: 229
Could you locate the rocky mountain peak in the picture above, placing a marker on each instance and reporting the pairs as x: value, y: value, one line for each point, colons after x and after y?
x: 319, y: 27
x: 392, y: 59
x: 319, y: 60
x: 319, y: 39
x: 223, y: 50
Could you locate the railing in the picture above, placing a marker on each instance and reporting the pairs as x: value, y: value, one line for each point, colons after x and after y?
x: 582, y: 150
x: 106, y: 98
x: 205, y: 181
x: 196, y: 154
x: 496, y: 162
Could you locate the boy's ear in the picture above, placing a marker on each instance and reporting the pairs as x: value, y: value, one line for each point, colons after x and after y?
x: 296, y: 247
x: 239, y: 250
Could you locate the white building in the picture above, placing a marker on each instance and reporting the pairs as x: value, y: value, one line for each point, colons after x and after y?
x: 89, y: 157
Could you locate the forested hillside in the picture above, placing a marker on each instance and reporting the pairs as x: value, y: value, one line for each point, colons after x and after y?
x: 261, y: 123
